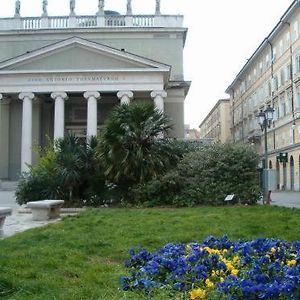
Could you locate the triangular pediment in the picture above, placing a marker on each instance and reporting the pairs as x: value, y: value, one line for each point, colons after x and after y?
x: 79, y: 54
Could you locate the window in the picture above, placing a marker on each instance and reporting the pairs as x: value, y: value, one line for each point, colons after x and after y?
x: 297, y: 63
x: 280, y: 47
x: 288, y: 71
x: 274, y: 54
x: 287, y: 39
x: 277, y: 109
x: 282, y: 105
x: 269, y: 88
x: 295, y: 30
x: 298, y: 97
x: 289, y: 101
x: 275, y: 83
x: 260, y: 68
x: 267, y: 60
x: 282, y: 77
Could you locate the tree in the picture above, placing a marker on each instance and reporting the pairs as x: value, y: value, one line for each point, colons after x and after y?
x: 132, y: 149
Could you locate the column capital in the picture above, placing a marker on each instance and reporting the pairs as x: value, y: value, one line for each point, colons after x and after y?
x: 161, y: 93
x: 94, y: 94
x: 23, y: 96
x: 4, y: 100
x: 128, y: 94
x: 62, y: 95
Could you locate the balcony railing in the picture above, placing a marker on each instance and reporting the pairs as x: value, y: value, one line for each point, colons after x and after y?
x: 61, y: 22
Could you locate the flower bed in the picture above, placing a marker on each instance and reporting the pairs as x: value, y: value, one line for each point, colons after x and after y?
x: 218, y: 268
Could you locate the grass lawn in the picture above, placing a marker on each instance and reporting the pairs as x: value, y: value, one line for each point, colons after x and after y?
x: 82, y: 257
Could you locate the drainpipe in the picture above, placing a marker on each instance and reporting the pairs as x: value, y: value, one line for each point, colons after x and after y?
x: 272, y: 82
x: 291, y: 71
x: 242, y: 112
x: 233, y: 130
x: 272, y: 61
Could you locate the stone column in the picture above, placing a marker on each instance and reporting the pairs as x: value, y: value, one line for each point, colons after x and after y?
x: 92, y: 98
x: 158, y: 97
x: 26, y: 146
x: 59, y: 114
x: 125, y: 97
x: 4, y: 136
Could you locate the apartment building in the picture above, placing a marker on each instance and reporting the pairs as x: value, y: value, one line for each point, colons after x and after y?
x: 272, y: 77
x: 216, y: 125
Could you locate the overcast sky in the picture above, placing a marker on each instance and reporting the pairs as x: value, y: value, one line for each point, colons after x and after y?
x: 222, y: 35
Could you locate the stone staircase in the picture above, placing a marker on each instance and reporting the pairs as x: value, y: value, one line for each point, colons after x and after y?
x: 8, y: 185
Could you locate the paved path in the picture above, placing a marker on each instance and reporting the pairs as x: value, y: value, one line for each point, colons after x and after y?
x: 17, y: 222
x: 7, y: 198
x: 286, y: 199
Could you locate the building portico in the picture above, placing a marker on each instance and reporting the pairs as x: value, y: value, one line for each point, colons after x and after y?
x: 66, y: 78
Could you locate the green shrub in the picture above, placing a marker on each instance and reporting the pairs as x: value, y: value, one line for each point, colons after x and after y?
x: 68, y: 170
x: 205, y: 177
x: 42, y: 181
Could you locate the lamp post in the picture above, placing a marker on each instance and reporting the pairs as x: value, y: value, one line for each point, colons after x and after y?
x: 264, y: 120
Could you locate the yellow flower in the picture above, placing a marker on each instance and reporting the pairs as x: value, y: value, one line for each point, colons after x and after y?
x: 235, y: 272
x: 221, y: 279
x: 229, y: 266
x: 197, y: 294
x: 236, y: 260
x: 209, y: 284
x: 291, y: 262
x: 273, y: 250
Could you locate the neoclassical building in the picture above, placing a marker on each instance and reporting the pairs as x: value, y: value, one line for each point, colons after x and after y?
x: 62, y: 74
x: 271, y: 77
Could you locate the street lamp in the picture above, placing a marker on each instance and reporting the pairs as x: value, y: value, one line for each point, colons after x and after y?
x: 264, y: 120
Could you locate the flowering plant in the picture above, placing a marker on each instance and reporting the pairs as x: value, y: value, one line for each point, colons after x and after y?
x: 218, y: 268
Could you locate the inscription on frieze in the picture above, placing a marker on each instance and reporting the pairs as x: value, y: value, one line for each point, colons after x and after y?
x: 76, y: 79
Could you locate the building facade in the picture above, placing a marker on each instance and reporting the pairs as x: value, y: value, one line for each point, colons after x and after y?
x: 64, y: 74
x: 216, y: 125
x: 272, y: 77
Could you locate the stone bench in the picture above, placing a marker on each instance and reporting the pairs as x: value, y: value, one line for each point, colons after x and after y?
x: 45, y: 209
x: 4, y: 212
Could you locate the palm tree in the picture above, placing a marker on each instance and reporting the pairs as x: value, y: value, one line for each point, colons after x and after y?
x: 131, y: 149
x: 69, y: 162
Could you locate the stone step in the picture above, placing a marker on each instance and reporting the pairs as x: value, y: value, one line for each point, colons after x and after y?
x: 8, y: 185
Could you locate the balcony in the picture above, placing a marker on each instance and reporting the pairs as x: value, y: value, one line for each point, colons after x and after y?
x: 96, y: 21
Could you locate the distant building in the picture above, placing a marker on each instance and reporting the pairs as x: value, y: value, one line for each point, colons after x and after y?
x: 63, y: 74
x: 216, y: 125
x: 191, y: 133
x: 271, y: 77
